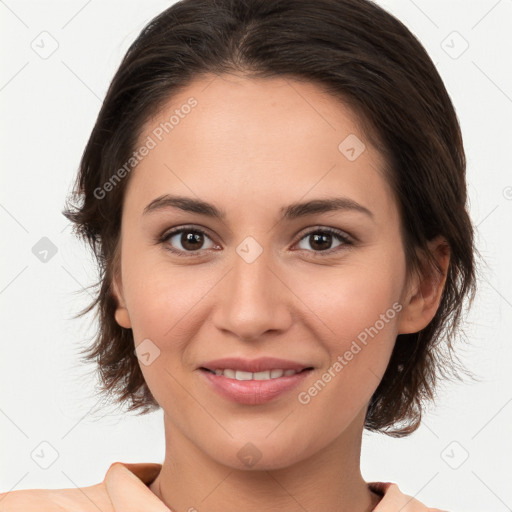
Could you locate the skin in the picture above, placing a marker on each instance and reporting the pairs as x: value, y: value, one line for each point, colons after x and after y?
x: 250, y: 147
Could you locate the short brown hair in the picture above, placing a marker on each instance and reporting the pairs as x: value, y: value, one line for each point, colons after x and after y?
x: 370, y: 61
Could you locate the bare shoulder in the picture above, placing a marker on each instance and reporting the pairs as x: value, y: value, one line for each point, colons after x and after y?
x: 82, y: 499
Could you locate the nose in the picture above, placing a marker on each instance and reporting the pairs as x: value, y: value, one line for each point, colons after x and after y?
x: 253, y: 299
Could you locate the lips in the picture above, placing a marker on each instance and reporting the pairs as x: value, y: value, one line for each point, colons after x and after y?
x: 253, y: 381
x: 261, y: 364
x: 275, y: 373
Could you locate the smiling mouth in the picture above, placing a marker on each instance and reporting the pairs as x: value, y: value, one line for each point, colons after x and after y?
x: 263, y: 375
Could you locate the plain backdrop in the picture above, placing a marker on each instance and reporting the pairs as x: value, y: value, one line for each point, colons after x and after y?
x: 57, y: 60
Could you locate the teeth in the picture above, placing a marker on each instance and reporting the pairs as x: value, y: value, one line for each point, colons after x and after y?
x: 240, y: 375
x: 266, y: 375
x: 261, y: 375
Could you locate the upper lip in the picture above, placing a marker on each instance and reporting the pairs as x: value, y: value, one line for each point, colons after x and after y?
x: 254, y: 365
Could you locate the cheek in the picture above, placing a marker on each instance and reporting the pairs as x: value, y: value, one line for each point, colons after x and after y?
x: 162, y: 298
x: 361, y: 312
x: 356, y: 313
x: 352, y: 297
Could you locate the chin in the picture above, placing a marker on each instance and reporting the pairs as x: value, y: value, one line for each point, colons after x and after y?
x: 261, y: 454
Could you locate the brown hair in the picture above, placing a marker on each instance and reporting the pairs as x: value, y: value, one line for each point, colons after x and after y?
x: 360, y: 54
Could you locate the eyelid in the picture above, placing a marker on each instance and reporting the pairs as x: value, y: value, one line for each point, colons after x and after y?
x: 344, y: 237
x: 164, y: 238
x: 325, y: 229
x: 347, y: 241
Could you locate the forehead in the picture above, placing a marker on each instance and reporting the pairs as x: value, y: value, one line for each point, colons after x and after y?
x: 271, y: 139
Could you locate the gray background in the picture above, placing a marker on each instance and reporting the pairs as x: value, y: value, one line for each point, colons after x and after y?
x: 57, y: 59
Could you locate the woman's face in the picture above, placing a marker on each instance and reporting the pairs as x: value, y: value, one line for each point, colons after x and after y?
x: 266, y: 280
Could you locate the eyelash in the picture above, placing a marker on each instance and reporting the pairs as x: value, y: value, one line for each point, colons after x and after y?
x: 340, y: 235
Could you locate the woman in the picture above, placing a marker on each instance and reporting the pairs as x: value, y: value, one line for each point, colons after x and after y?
x: 236, y: 139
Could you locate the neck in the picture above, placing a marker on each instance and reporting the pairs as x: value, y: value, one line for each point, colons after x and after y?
x: 330, y: 480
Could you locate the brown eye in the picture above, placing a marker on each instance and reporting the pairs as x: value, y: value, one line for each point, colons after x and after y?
x: 185, y: 240
x: 321, y: 240
x: 191, y: 240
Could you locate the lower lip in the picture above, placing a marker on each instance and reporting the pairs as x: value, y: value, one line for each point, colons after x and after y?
x: 253, y: 392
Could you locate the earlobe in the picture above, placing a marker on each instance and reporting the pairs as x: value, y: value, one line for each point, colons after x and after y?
x: 425, y: 292
x: 121, y: 314
x: 122, y: 318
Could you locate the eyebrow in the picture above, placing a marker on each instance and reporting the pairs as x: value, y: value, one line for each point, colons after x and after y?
x: 290, y: 212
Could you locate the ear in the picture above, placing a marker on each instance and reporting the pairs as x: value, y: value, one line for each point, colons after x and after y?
x: 424, y: 294
x: 121, y: 315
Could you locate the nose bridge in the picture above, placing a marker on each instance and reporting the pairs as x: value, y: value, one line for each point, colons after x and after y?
x: 251, y: 280
x: 253, y: 300
x: 250, y: 275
